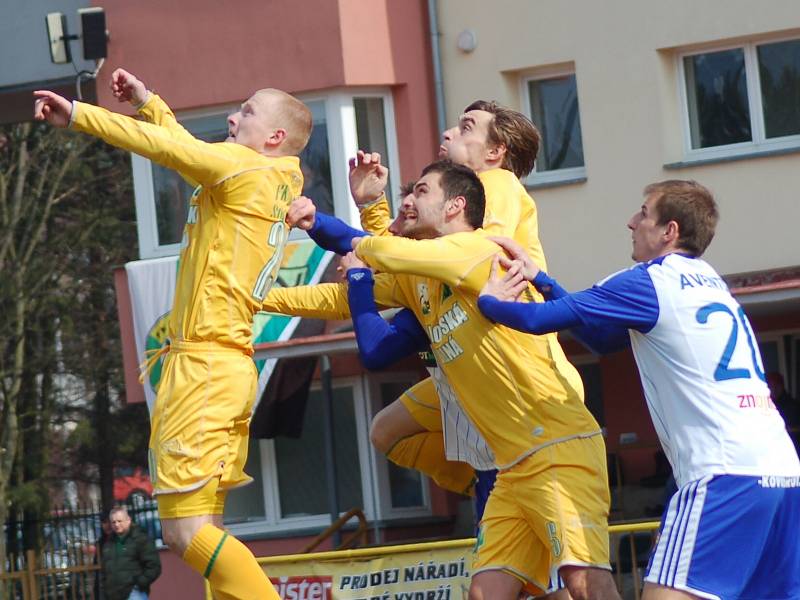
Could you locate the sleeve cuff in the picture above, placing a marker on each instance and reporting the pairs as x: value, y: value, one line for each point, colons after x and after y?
x: 144, y: 102
x: 543, y: 282
x: 72, y: 114
x: 359, y: 275
x: 380, y: 198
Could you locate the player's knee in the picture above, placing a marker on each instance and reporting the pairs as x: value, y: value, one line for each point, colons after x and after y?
x: 381, y: 434
x: 178, y: 534
x: 172, y: 538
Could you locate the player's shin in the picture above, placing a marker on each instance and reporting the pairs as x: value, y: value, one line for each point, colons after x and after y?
x: 231, y: 569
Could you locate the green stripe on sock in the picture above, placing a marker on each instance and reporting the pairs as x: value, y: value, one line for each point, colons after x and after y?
x: 214, y: 556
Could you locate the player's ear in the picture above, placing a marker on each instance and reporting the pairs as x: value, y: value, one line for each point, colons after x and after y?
x: 672, y: 232
x: 496, y: 152
x: 275, y: 138
x: 455, y: 205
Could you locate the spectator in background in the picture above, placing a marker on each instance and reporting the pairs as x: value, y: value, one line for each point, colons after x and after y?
x: 129, y: 561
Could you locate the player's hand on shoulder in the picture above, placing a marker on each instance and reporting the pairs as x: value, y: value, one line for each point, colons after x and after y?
x: 516, y: 253
x: 349, y: 261
x: 302, y: 213
x: 368, y: 177
x: 52, y: 108
x: 127, y: 88
x: 507, y: 287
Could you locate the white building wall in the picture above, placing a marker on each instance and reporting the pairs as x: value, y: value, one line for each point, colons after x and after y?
x: 624, y: 55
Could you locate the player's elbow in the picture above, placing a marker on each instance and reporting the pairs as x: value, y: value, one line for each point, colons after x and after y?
x: 373, y: 361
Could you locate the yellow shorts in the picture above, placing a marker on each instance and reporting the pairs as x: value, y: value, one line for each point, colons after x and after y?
x: 423, y: 405
x: 201, y: 419
x: 548, y: 511
x: 207, y: 500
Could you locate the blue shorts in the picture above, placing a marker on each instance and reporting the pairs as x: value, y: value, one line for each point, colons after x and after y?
x: 731, y: 537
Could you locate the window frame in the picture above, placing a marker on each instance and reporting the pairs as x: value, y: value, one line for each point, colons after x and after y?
x: 342, y: 144
x: 553, y: 176
x: 759, y: 143
x: 373, y: 467
x: 381, y: 492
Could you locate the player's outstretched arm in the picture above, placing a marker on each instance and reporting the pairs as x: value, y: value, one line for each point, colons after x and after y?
x: 328, y: 232
x: 368, y: 180
x: 450, y: 259
x: 380, y: 343
x: 200, y: 161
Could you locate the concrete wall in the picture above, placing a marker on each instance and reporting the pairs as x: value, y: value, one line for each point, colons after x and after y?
x: 624, y: 60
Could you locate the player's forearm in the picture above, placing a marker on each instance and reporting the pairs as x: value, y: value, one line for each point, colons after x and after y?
x: 198, y: 160
x: 536, y: 318
x: 322, y: 301
x: 376, y: 217
x: 447, y: 259
x: 380, y: 343
x: 333, y: 234
x: 154, y: 110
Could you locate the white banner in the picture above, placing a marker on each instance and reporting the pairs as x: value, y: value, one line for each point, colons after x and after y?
x: 152, y: 287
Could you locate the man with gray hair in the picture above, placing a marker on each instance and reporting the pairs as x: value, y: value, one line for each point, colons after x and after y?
x: 129, y: 560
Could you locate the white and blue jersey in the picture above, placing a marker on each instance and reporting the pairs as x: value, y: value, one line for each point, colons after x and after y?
x: 730, y: 531
x: 698, y: 359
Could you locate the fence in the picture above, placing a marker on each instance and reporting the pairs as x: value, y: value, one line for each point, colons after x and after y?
x: 56, y: 557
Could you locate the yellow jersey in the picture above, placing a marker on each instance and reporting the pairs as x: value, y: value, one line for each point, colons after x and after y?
x: 510, y: 212
x: 235, y: 231
x: 519, y: 390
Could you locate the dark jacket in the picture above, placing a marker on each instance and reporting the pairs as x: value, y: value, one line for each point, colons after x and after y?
x: 128, y: 561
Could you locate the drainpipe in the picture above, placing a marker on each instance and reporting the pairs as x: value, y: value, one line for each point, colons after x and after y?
x: 438, y: 84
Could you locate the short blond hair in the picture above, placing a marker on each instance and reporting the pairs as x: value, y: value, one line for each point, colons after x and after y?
x: 295, y: 116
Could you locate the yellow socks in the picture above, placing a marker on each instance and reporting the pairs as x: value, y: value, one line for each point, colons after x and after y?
x: 425, y: 452
x: 229, y: 566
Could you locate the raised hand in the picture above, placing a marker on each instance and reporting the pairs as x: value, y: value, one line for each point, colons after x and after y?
x: 302, y: 213
x: 528, y: 268
x: 508, y: 287
x: 368, y: 177
x: 52, y: 108
x: 127, y: 88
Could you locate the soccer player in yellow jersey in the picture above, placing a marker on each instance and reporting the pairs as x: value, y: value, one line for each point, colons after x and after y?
x: 500, y: 145
x: 547, y: 515
x: 233, y: 242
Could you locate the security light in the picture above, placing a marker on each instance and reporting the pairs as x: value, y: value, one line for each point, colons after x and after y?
x: 59, y: 40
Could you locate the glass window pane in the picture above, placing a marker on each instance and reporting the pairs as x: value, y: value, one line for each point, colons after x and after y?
x: 302, y: 479
x: 247, y: 503
x: 716, y: 89
x: 770, y: 356
x: 405, y: 485
x: 316, y: 163
x: 172, y: 192
x: 779, y: 70
x: 371, y: 132
x: 554, y: 109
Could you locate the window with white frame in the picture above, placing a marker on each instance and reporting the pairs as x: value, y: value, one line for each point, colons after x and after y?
x: 343, y: 122
x: 290, y: 488
x: 552, y: 104
x: 742, y: 99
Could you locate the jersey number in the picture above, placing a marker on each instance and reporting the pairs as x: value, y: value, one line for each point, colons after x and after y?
x: 723, y: 371
x: 276, y: 240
